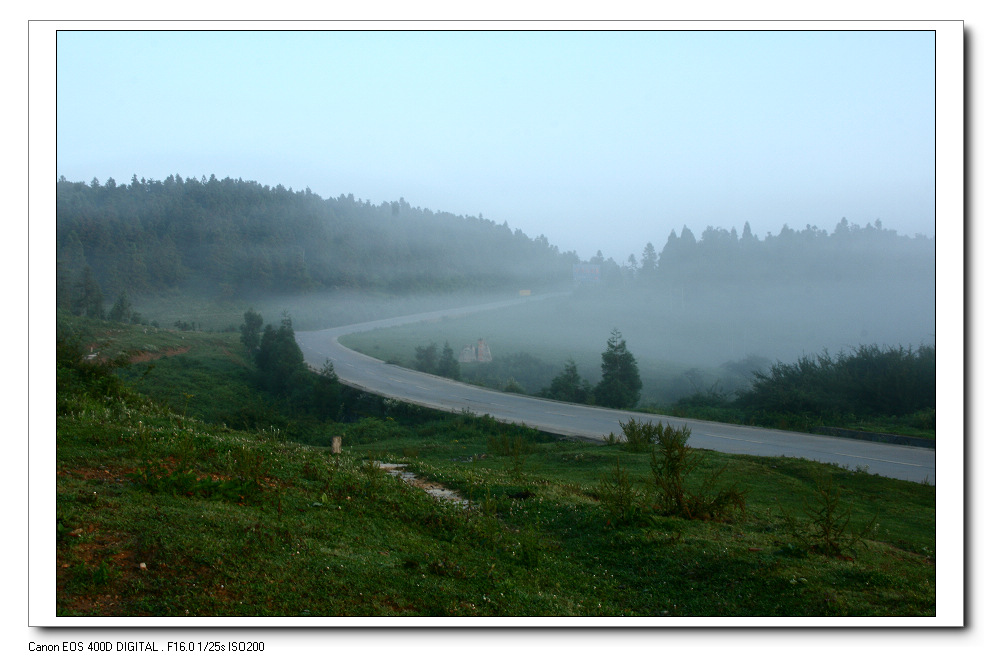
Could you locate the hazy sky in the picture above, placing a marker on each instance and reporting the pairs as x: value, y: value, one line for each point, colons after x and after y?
x: 598, y: 140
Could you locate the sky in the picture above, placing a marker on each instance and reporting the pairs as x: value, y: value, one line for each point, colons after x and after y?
x: 599, y: 140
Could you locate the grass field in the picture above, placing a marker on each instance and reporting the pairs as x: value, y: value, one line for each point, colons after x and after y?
x: 162, y: 514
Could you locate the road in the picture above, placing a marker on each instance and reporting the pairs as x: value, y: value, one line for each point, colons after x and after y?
x: 916, y: 464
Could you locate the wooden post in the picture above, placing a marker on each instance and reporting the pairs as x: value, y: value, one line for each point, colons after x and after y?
x: 336, y: 444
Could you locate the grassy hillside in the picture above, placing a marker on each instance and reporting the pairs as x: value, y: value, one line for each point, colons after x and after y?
x: 163, y: 514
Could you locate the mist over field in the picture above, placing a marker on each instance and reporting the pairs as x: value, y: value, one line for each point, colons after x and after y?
x: 703, y: 339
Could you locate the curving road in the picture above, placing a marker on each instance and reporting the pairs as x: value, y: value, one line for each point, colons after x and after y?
x: 916, y: 464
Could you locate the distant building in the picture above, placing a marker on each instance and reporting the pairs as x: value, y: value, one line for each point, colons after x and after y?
x: 478, y: 353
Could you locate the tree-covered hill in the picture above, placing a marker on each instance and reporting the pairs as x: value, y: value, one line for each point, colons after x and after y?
x: 240, y: 238
x: 869, y: 254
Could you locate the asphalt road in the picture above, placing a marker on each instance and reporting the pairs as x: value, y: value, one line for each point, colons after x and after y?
x: 916, y: 464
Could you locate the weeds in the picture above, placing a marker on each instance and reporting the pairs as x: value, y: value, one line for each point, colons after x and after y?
x: 515, y: 447
x: 672, y: 463
x: 618, y: 496
x: 157, y: 479
x: 826, y: 529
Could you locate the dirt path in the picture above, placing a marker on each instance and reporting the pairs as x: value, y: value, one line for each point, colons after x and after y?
x: 434, y: 489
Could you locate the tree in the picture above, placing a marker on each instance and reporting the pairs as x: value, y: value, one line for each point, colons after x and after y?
x: 426, y: 361
x: 620, y: 386
x: 569, y: 386
x: 649, y: 259
x: 326, y: 391
x: 87, y: 297
x: 280, y: 360
x: 251, y: 331
x: 746, y: 235
x: 121, y: 310
x: 447, y: 365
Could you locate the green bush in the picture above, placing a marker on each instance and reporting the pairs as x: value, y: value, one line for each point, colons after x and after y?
x: 618, y: 496
x: 672, y: 464
x: 872, y: 381
x: 827, y: 526
x: 371, y: 430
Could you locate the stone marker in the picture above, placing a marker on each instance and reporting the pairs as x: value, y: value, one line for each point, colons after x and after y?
x: 336, y: 444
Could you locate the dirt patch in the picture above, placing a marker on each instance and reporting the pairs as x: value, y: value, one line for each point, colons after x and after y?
x: 432, y: 488
x: 143, y: 357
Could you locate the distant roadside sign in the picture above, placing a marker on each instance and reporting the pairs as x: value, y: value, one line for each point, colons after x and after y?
x: 585, y: 273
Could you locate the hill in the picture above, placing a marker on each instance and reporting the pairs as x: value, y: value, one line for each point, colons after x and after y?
x: 238, y: 238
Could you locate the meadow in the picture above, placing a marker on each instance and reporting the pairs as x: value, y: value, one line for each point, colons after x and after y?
x: 165, y: 510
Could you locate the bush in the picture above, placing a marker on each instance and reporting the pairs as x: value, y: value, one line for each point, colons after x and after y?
x: 371, y: 430
x: 618, y: 496
x: 872, y: 381
x: 826, y: 529
x: 672, y: 462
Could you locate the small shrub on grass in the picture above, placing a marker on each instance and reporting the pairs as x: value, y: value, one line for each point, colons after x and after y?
x: 90, y: 577
x: 672, y: 462
x: 827, y: 528
x: 371, y: 430
x: 515, y: 447
x: 618, y: 496
x: 157, y: 479
x: 638, y: 436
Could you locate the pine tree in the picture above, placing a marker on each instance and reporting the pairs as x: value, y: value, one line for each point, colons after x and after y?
x: 426, y: 358
x: 447, y: 365
x: 121, y: 310
x: 87, y: 297
x: 251, y: 331
x: 280, y: 360
x: 620, y: 386
x: 569, y: 386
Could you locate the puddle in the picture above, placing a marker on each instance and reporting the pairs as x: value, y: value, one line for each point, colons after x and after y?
x: 432, y: 488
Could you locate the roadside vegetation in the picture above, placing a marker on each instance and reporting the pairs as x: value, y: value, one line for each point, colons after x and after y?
x: 871, y: 389
x: 191, y: 483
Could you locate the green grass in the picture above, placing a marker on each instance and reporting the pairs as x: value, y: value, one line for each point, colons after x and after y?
x: 252, y: 523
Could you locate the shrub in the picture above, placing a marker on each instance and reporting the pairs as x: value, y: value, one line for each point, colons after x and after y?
x: 826, y: 529
x: 672, y: 462
x: 871, y: 381
x: 618, y: 496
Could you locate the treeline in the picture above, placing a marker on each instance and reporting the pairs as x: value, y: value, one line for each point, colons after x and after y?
x: 241, y: 238
x: 893, y: 381
x: 850, y: 253
x: 869, y: 384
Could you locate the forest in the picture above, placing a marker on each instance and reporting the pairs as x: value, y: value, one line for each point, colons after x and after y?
x: 809, y: 254
x: 238, y: 238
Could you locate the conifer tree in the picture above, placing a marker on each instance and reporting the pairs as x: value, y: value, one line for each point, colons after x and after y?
x: 620, y: 386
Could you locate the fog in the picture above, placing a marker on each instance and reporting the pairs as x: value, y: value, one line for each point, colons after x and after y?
x: 708, y: 338
x: 203, y: 251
